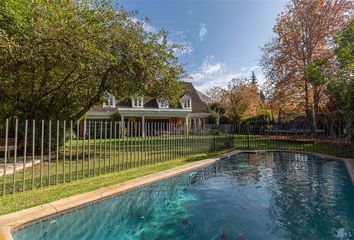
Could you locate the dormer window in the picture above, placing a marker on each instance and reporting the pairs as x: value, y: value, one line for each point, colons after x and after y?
x: 163, y: 103
x: 137, y: 102
x: 186, y: 102
x: 110, y: 102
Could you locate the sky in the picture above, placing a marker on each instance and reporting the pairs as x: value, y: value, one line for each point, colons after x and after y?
x: 222, y: 38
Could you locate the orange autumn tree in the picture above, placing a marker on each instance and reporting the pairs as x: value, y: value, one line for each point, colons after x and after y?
x: 303, y: 34
x: 241, y: 99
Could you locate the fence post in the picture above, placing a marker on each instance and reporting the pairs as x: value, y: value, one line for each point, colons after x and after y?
x: 214, y: 135
x: 248, y: 135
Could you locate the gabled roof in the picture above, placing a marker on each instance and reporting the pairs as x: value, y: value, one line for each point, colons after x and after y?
x: 198, y: 106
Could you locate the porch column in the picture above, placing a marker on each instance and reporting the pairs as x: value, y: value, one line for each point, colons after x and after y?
x: 143, y: 126
x: 199, y: 123
x: 187, y: 125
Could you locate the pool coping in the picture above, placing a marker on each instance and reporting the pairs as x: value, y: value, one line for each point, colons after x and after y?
x: 12, y: 221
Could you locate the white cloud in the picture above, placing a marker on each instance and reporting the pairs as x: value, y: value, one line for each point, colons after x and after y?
x: 177, y: 37
x: 212, y: 68
x: 187, y: 48
x: 146, y: 25
x: 202, y: 31
x: 212, y: 73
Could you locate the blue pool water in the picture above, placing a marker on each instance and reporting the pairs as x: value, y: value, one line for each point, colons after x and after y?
x: 252, y: 196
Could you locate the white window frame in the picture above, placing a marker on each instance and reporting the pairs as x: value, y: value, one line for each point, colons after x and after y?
x: 186, y: 102
x: 163, y: 103
x: 110, y: 101
x: 137, y: 102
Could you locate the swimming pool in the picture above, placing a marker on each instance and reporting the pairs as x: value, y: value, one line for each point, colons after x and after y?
x: 273, y: 195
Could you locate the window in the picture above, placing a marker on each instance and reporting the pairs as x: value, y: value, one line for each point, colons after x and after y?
x: 137, y: 102
x: 110, y: 101
x: 186, y: 102
x: 163, y: 103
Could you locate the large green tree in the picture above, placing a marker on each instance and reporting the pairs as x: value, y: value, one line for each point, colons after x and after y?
x: 59, y: 58
x: 345, y: 72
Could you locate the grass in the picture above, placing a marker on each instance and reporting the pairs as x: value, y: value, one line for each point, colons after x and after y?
x: 22, y: 200
x: 242, y: 142
x: 105, y: 157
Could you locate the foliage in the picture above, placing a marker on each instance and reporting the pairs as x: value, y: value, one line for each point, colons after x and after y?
x: 315, y: 72
x: 254, y: 80
x: 58, y: 58
x: 263, y: 117
x: 345, y: 56
x: 116, y: 117
x: 302, y: 35
x: 214, y: 117
x: 240, y: 100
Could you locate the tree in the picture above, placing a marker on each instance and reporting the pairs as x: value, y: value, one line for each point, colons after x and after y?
x: 302, y: 35
x: 59, y: 58
x: 344, y: 51
x: 254, y: 79
x: 240, y: 100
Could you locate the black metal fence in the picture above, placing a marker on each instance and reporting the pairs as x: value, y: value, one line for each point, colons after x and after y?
x: 34, y: 154
x: 293, y: 137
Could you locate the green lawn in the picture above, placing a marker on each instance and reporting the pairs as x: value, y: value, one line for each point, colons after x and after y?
x: 89, y: 159
x: 22, y: 200
x: 242, y: 142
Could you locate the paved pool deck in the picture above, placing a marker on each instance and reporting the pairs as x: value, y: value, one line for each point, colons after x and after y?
x: 12, y: 221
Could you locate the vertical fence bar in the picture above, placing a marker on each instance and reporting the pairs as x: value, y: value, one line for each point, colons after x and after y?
x: 5, y: 156
x: 83, y: 149
x: 146, y: 143
x: 139, y: 142
x: 119, y: 141
x: 135, y: 139
x: 94, y: 148
x: 64, y: 149
x: 105, y: 147
x: 71, y: 151
x: 57, y: 155
x: 33, y: 149
x: 158, y: 142
x: 15, y: 157
x: 124, y: 146
x: 89, y: 149
x: 49, y: 148
x: 100, y: 150
x: 127, y: 143
x: 24, y: 158
x: 41, y: 160
x: 77, y: 149
x: 110, y: 146
x: 115, y: 147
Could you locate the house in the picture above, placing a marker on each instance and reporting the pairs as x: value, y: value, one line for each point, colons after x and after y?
x: 190, y: 109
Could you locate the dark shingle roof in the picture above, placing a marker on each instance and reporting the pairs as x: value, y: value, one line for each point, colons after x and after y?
x: 198, y: 106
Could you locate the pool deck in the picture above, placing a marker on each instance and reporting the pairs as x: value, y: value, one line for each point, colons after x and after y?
x: 12, y: 221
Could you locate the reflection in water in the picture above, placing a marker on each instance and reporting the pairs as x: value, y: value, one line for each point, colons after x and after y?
x: 253, y: 196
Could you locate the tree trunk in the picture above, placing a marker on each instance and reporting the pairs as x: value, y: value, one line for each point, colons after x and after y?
x: 316, y: 101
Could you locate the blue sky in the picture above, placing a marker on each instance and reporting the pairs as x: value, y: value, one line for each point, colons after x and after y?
x: 221, y: 37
